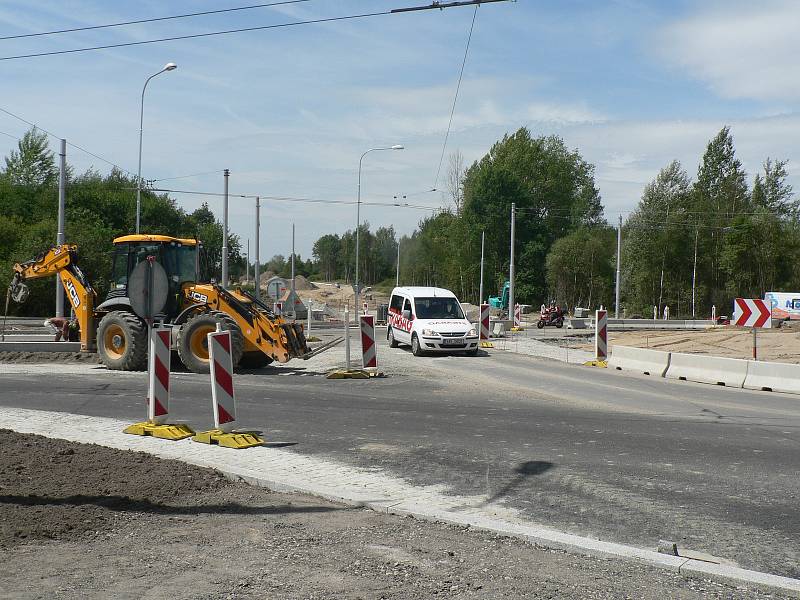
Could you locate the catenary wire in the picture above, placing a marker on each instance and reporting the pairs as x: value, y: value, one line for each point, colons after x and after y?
x: 152, y: 20
x: 455, y: 97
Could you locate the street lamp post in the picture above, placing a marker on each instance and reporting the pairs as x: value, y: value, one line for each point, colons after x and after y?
x: 358, y: 211
x: 167, y: 67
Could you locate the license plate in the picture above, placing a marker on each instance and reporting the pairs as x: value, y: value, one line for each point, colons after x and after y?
x: 452, y: 342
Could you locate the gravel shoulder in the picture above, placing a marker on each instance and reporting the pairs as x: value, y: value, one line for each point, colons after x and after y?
x: 92, y: 522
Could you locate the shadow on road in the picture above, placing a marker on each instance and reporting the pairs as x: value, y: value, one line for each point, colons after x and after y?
x: 523, y: 471
x: 126, y: 504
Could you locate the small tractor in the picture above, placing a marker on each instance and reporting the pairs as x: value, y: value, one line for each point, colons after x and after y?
x: 192, y: 310
x: 501, y: 300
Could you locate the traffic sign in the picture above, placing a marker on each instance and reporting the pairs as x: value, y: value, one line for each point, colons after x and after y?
x: 148, y: 289
x: 752, y: 313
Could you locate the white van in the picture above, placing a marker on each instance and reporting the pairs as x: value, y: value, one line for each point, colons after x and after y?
x: 430, y: 320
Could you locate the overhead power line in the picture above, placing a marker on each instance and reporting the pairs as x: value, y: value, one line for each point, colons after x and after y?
x: 152, y: 20
x: 435, y: 5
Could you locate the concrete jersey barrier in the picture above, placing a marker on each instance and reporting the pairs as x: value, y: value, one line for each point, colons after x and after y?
x: 639, y: 360
x: 716, y: 370
x: 777, y: 377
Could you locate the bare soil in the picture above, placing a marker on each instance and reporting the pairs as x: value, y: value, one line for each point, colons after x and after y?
x: 83, y: 521
x: 45, y: 357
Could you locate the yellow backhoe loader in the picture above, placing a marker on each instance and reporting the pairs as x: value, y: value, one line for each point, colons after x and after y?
x: 192, y: 310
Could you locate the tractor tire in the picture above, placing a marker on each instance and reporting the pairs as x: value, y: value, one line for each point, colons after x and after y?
x: 193, y: 343
x: 390, y: 336
x: 254, y: 360
x: 122, y: 341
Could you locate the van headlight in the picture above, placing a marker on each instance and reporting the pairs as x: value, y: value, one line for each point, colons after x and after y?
x: 429, y: 333
x: 472, y: 333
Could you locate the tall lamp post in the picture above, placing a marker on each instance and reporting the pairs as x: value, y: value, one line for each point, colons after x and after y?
x: 358, y: 210
x: 167, y: 67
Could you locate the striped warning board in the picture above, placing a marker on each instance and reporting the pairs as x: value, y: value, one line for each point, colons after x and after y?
x: 601, y: 335
x: 752, y: 313
x: 369, y: 356
x: 158, y: 393
x: 484, y: 333
x: 219, y: 353
x: 517, y: 315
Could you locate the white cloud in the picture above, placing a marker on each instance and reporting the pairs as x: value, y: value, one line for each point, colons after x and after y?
x: 740, y: 50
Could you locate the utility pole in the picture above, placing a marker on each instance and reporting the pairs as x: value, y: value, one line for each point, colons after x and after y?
x: 293, y: 292
x: 480, y: 292
x: 511, y: 264
x: 247, y: 264
x: 397, y: 278
x: 694, y: 271
x: 619, y: 255
x: 62, y: 195
x: 225, y: 232
x: 258, y: 244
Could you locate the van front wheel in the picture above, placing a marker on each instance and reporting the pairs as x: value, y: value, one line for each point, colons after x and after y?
x: 416, y: 350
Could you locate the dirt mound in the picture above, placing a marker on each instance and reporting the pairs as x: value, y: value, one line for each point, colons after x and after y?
x: 51, y: 488
x: 301, y: 283
x: 47, y: 357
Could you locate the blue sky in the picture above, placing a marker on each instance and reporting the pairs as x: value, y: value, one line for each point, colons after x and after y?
x: 631, y: 84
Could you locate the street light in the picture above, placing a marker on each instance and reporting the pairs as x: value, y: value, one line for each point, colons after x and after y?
x: 168, y: 67
x: 358, y: 209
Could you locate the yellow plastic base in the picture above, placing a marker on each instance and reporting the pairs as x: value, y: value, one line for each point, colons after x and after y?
x: 164, y: 431
x: 517, y: 329
x: 354, y: 374
x: 487, y: 345
x: 602, y: 364
x: 242, y: 439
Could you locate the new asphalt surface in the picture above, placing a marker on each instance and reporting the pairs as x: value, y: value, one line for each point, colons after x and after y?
x: 588, y: 451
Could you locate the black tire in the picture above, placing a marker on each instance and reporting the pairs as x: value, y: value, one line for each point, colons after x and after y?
x: 122, y: 341
x: 193, y: 344
x: 390, y: 336
x: 254, y: 360
x: 416, y: 349
x: 540, y: 324
x: 559, y: 324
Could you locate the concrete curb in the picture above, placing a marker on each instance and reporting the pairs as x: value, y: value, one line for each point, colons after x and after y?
x: 12, y: 346
x: 365, y: 489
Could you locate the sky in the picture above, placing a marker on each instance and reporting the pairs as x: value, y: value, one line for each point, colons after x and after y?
x: 630, y: 84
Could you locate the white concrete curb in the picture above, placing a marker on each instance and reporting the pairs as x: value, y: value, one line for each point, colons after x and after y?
x: 282, y: 470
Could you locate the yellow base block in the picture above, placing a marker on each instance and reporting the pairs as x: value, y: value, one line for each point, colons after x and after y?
x: 517, y: 329
x: 236, y: 440
x: 602, y: 364
x: 487, y: 345
x: 354, y: 374
x: 164, y: 431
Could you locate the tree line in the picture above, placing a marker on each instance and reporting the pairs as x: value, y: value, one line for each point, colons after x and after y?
x: 98, y: 208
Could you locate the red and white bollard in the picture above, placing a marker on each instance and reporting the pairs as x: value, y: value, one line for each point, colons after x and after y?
x: 601, y: 335
x: 484, y: 331
x: 517, y: 316
x: 278, y: 309
x: 221, y: 363
x: 369, y: 355
x: 366, y: 308
x: 159, y: 367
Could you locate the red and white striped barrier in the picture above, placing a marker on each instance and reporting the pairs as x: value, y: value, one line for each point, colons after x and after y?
x: 219, y: 354
x: 752, y: 313
x: 484, y: 333
x: 517, y: 315
x: 278, y: 309
x: 369, y: 356
x: 159, y: 366
x: 601, y: 335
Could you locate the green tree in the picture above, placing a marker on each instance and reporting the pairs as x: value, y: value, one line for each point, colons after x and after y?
x: 32, y: 163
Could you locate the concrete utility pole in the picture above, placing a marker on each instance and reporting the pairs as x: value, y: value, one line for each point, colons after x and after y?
x: 256, y: 266
x: 619, y: 254
x: 294, y: 315
x: 480, y: 292
x: 224, y: 282
x: 62, y: 196
x: 511, y: 264
x: 694, y: 271
x: 397, y: 278
x: 247, y: 263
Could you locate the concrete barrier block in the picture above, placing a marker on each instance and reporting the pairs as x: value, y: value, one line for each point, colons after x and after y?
x: 576, y: 323
x: 715, y: 370
x: 776, y: 377
x: 639, y: 360
x: 40, y: 346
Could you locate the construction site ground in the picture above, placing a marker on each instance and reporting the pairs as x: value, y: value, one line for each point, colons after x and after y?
x: 85, y: 521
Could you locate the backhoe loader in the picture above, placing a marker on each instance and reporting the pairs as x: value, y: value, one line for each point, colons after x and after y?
x: 192, y: 310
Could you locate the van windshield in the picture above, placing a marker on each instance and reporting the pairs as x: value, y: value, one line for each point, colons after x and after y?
x: 438, y: 308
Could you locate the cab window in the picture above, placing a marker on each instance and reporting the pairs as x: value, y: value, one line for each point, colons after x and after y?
x: 396, y: 305
x: 119, y: 270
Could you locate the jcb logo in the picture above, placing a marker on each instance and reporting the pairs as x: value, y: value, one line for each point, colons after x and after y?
x: 198, y: 297
x: 73, y: 294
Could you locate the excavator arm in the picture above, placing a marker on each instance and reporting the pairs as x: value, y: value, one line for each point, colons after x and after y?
x: 60, y: 260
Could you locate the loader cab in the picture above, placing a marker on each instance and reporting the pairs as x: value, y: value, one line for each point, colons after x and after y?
x: 181, y: 259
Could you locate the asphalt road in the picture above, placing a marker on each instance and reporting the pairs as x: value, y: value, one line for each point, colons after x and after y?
x: 593, y: 452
